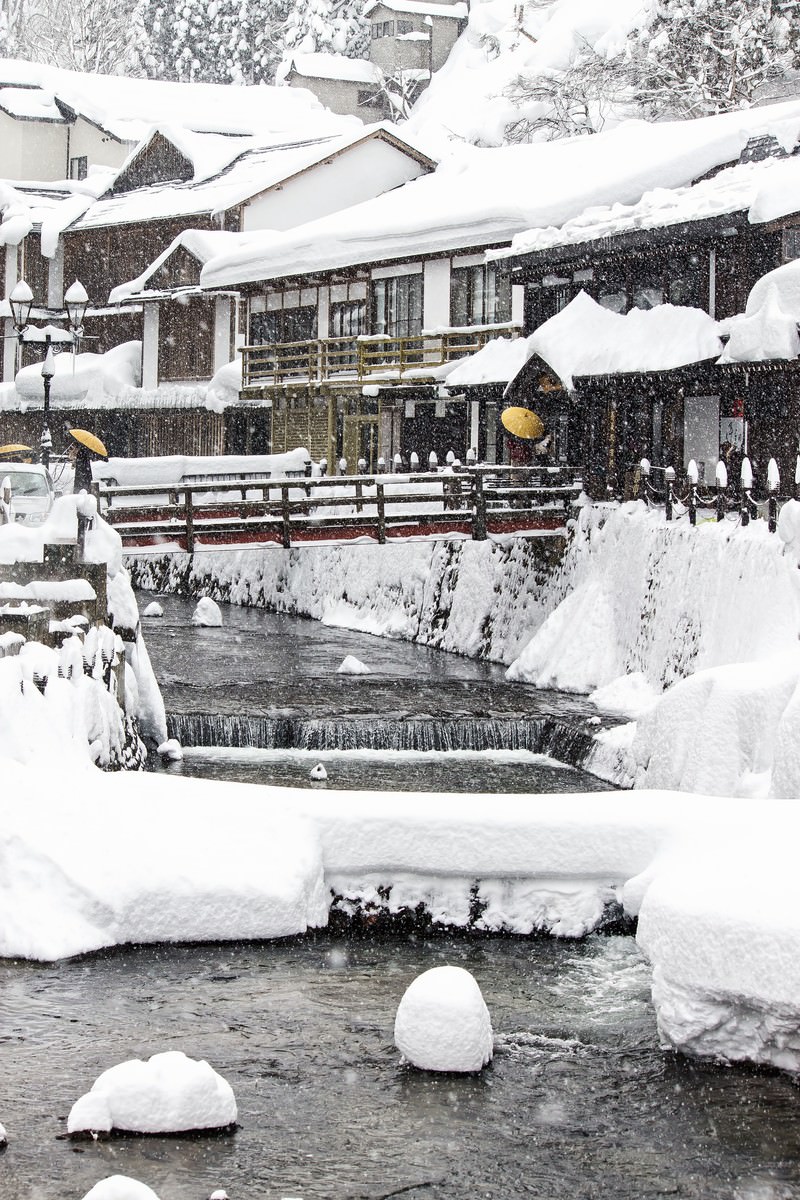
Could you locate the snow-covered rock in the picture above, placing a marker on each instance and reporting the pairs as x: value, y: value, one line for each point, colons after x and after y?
x: 350, y: 665
x: 207, y: 613
x: 153, y: 609
x: 443, y: 1024
x: 318, y: 772
x: 120, y: 1187
x: 171, y: 750
x: 3, y: 1137
x: 169, y: 1093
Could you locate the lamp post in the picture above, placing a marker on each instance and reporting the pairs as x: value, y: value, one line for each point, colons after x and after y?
x: 21, y: 302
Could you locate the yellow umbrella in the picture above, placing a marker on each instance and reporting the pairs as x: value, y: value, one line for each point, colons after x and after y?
x: 523, y: 423
x: 89, y: 440
x: 13, y: 450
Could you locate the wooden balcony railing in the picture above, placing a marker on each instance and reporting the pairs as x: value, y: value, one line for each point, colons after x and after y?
x: 362, y: 357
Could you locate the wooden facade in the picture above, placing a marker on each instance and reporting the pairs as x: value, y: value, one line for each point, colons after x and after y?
x: 610, y: 423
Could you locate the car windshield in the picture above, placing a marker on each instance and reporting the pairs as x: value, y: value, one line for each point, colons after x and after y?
x: 27, y: 483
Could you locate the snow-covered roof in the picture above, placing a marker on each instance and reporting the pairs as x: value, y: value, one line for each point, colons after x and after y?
x: 332, y: 66
x: 252, y: 173
x: 768, y: 328
x: 486, y: 197
x: 128, y: 108
x: 202, y: 244
x: 496, y: 362
x: 457, y: 11
x: 587, y: 339
x: 765, y: 190
x: 48, y: 207
x: 30, y: 104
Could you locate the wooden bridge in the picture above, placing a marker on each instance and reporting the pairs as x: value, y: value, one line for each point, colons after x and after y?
x: 212, y: 514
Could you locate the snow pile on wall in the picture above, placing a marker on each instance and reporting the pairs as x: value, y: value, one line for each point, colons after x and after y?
x: 718, y: 923
x: 482, y: 599
x: 102, y: 863
x: 661, y: 599
x: 86, y: 378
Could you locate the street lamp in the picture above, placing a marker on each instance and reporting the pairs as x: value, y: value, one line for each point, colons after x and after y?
x: 21, y: 302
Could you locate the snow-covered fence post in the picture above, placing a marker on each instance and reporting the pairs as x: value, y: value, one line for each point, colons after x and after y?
x: 188, y: 504
x: 413, y: 461
x: 692, y: 475
x: 381, y: 498
x: 433, y: 461
x: 472, y: 457
x: 797, y: 478
x: 721, y: 476
x: 323, y: 467
x: 381, y: 466
x: 747, y: 488
x: 397, y: 463
x: 362, y: 466
x: 478, y: 508
x: 773, y: 483
x: 342, y: 466
x: 669, y: 481
x: 286, y: 516
x: 642, y: 478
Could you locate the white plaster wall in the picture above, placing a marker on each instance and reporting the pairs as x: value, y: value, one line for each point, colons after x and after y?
x: 222, y: 331
x: 43, y: 150
x: 363, y: 171
x: 99, y: 148
x: 150, y: 347
x: 436, y: 294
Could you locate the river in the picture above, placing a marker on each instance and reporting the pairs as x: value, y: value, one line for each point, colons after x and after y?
x: 579, y: 1103
x: 261, y: 700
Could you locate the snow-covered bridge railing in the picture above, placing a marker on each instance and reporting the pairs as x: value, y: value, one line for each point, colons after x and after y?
x: 363, y: 356
x: 475, y: 502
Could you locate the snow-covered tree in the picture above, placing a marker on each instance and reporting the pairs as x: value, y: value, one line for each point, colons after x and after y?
x: 93, y: 36
x: 326, y: 26
x: 579, y: 100
x: 696, y: 57
x: 224, y: 41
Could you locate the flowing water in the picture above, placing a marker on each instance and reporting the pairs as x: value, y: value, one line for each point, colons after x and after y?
x: 260, y: 699
x: 579, y: 1102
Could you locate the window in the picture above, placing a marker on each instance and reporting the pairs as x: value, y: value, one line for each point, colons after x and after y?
x: 78, y: 167
x: 405, y: 27
x: 382, y: 29
x: 283, y: 325
x: 480, y: 295
x: 397, y: 306
x: 348, y: 319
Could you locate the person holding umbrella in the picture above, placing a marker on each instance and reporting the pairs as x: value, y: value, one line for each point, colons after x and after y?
x: 84, y: 448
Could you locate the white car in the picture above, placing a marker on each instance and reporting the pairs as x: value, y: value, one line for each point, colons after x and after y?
x: 32, y: 491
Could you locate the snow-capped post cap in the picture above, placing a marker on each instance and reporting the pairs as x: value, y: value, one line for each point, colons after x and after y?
x: 692, y: 472
x: 362, y: 466
x: 472, y: 456
x: 433, y: 460
x: 721, y: 474
x: 342, y: 466
x: 219, y: 1194
x: 413, y: 460
x: 49, y: 364
x: 773, y: 476
x: 669, y: 474
x: 644, y: 466
x: 443, y: 1024
x: 747, y: 474
x: 450, y: 458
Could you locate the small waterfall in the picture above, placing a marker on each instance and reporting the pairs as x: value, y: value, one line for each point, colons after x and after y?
x: 541, y: 735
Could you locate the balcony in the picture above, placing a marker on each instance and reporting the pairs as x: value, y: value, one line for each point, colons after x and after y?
x: 368, y: 358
